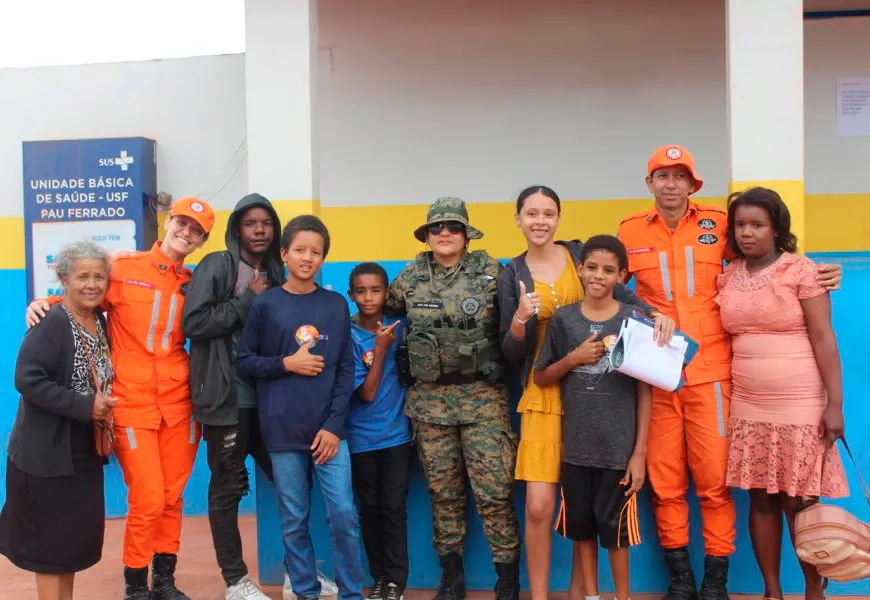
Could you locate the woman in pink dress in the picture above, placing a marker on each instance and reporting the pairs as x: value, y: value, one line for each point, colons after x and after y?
x: 787, y: 396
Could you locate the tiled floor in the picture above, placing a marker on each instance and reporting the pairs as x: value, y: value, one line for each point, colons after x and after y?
x: 198, y: 574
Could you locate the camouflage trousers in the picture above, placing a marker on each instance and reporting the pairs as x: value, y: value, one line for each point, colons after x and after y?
x: 484, y: 454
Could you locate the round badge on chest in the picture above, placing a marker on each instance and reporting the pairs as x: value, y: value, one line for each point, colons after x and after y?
x: 470, y: 306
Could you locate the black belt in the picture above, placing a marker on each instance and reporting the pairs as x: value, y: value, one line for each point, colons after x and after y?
x: 458, y: 379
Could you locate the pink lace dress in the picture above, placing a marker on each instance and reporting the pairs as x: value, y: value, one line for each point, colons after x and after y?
x: 777, y: 394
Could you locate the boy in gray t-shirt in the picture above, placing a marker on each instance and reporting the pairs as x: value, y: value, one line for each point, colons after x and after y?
x: 605, y: 417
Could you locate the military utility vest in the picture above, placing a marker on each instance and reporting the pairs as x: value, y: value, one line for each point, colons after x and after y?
x: 453, y: 323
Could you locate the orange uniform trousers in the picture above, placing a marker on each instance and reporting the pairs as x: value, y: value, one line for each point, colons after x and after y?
x: 688, y: 432
x: 156, y: 464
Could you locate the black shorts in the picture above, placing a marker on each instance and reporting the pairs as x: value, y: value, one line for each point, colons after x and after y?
x: 594, y: 506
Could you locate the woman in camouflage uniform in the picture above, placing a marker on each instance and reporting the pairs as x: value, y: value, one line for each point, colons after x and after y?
x: 458, y: 402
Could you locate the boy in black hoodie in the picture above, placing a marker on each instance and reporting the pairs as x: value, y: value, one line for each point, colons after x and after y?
x: 215, y: 309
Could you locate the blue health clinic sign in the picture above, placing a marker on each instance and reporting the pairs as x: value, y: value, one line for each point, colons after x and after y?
x: 101, y: 190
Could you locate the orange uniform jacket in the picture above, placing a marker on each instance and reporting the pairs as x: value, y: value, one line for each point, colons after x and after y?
x: 145, y: 302
x: 676, y: 272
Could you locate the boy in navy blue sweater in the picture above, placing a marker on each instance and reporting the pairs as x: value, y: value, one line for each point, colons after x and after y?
x: 297, y: 344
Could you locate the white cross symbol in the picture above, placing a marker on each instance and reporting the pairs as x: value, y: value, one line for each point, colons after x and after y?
x: 124, y: 160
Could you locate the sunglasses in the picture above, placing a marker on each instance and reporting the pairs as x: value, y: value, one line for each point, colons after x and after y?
x: 454, y: 227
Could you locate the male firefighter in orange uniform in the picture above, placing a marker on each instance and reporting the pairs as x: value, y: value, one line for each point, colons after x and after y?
x: 676, y: 252
x: 156, y: 438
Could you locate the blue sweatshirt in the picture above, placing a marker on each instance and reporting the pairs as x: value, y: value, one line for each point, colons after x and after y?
x: 293, y: 408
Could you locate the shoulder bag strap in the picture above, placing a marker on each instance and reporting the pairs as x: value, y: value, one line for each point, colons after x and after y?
x: 857, y: 470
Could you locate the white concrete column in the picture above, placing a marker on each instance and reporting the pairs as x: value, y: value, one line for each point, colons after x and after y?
x: 281, y: 86
x: 765, y: 63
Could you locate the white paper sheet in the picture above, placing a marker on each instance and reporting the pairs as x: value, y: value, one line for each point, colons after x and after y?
x: 637, y: 355
x: 853, y: 106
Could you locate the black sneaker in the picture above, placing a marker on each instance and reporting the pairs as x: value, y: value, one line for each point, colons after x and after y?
x: 378, y: 589
x: 394, y: 592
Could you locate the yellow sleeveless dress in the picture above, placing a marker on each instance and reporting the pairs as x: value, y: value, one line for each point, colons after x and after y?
x: 539, y: 456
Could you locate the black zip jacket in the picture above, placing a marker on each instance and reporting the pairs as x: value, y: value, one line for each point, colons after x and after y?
x: 521, y: 353
x: 212, y: 314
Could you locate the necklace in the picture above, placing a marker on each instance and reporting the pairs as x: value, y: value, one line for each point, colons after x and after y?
x: 80, y: 319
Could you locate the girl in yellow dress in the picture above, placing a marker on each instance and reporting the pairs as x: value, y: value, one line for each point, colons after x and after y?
x: 531, y: 288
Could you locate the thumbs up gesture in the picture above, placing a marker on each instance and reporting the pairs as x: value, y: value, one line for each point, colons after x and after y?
x: 589, y: 352
x: 529, y: 304
x: 302, y: 362
x: 258, y: 284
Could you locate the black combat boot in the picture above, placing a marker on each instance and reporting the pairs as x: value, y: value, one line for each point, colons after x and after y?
x: 136, y: 584
x: 715, y: 583
x: 507, y: 587
x: 682, y: 585
x: 452, y: 578
x: 163, y: 579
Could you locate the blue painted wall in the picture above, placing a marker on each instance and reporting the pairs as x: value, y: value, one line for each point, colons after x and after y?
x: 850, y: 320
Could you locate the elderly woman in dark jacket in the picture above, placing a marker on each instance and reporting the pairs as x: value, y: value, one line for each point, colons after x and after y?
x: 53, y: 521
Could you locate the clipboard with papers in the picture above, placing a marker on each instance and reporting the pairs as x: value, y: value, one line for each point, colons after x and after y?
x: 636, y: 354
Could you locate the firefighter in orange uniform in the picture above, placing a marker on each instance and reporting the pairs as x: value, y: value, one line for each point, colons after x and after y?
x: 156, y: 438
x: 676, y: 252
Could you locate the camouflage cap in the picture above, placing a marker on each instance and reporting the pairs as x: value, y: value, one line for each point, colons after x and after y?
x: 447, y: 209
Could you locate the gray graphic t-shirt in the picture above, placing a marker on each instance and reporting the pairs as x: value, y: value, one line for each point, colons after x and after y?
x: 599, y: 405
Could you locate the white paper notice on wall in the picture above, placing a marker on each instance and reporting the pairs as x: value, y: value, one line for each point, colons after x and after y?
x: 853, y: 106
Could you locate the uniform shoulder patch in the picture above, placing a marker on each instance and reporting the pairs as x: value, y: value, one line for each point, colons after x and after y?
x: 711, y: 208
x: 126, y: 255
x: 635, y: 216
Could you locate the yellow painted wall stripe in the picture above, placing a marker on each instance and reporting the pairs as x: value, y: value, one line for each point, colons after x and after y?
x: 834, y: 222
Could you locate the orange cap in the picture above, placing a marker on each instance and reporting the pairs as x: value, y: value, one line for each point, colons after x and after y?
x: 196, y: 209
x: 669, y: 156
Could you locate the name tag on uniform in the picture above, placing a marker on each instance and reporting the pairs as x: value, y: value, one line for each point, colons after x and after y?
x: 138, y: 283
x: 433, y: 304
x: 645, y: 250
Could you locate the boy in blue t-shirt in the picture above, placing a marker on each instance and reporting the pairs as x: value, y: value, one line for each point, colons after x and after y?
x: 379, y: 434
x: 296, y: 344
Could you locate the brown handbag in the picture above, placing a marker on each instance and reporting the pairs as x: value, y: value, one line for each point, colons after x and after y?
x: 104, y: 429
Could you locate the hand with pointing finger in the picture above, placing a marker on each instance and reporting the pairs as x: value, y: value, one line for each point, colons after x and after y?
x: 529, y: 304
x: 589, y: 352
x: 385, y: 336
x: 303, y: 362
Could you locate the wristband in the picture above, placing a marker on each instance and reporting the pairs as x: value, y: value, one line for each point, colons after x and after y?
x: 519, y: 320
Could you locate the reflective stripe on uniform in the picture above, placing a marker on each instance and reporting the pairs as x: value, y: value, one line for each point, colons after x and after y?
x: 170, y: 321
x: 666, y: 276
x: 720, y: 412
x: 155, y: 312
x: 690, y: 271
x: 131, y: 438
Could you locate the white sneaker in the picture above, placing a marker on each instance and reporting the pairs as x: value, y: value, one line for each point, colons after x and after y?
x: 245, y: 589
x: 328, y: 588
